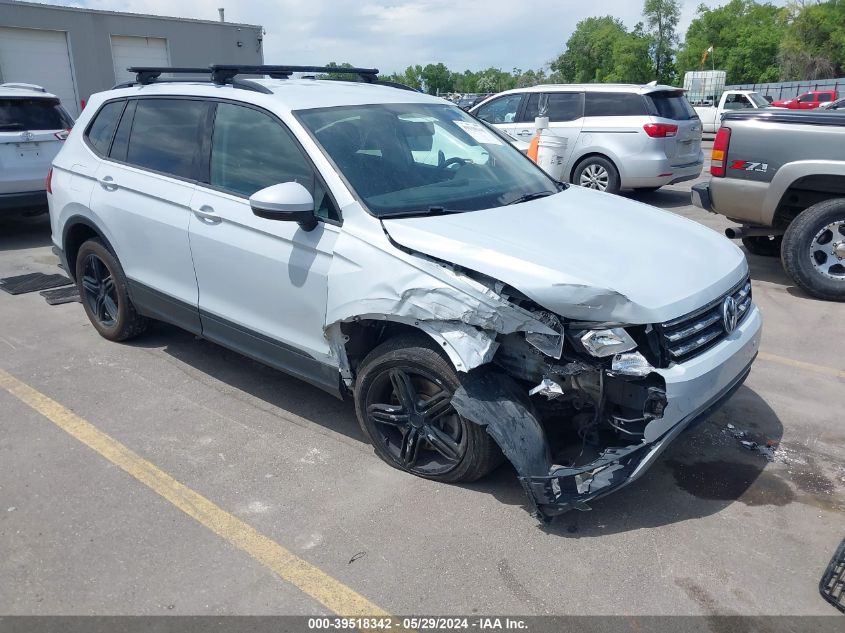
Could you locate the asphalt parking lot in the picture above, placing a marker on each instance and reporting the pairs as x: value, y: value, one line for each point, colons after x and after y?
x: 87, y: 527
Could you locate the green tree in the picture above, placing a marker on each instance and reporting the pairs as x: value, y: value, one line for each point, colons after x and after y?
x: 814, y: 43
x: 589, y: 56
x: 413, y: 77
x: 746, y: 37
x: 436, y: 79
x: 661, y: 18
x: 632, y: 62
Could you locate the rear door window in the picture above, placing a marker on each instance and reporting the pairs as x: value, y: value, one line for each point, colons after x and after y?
x: 614, y: 104
x: 826, y: 96
x: 675, y: 106
x: 501, y: 110
x: 101, y: 130
x: 33, y: 114
x: 559, y: 106
x: 167, y: 135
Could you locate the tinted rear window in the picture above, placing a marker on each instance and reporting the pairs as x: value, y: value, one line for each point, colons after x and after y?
x: 560, y: 106
x: 670, y: 105
x: 166, y: 135
x: 32, y: 114
x: 614, y: 104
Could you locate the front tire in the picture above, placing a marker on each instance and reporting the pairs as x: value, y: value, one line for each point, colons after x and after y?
x: 596, y: 172
x: 403, y: 396
x: 765, y: 245
x: 103, y: 292
x: 813, y: 250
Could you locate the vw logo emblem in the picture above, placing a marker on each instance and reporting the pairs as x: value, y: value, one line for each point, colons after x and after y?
x: 27, y: 136
x: 730, y: 314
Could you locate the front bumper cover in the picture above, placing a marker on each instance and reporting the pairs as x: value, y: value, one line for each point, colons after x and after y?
x: 495, y: 401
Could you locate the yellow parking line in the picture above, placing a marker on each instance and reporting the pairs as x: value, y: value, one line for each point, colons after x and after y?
x: 317, y: 584
x: 800, y: 364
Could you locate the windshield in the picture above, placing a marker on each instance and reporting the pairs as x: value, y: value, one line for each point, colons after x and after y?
x: 423, y: 158
x: 758, y: 100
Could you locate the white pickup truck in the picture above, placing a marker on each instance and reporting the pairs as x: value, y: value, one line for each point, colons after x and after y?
x: 731, y: 100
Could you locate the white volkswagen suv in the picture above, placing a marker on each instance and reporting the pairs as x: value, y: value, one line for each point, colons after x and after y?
x: 385, y: 246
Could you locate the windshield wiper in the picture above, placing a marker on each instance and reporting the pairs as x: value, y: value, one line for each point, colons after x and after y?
x: 411, y: 213
x: 531, y: 196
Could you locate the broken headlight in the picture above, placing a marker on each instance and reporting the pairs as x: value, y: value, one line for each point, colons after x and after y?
x: 601, y: 343
x: 548, y: 344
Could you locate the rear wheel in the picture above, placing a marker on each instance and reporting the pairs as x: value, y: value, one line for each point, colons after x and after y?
x: 403, y: 397
x: 102, y: 289
x: 765, y: 245
x: 596, y: 172
x: 813, y: 250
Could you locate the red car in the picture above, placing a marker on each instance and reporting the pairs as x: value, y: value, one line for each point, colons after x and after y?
x: 807, y: 100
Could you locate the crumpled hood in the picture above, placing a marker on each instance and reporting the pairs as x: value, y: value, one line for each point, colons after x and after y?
x: 585, y: 254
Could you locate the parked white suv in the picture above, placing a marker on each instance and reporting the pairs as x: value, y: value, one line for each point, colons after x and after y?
x: 383, y: 244
x: 33, y: 126
x: 617, y: 136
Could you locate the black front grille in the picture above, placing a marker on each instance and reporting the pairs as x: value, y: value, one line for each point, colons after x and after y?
x: 690, y: 335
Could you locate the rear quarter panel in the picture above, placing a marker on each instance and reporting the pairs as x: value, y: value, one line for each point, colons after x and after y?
x: 764, y: 159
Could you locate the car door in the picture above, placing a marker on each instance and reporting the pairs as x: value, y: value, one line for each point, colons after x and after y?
x: 502, y: 112
x: 262, y: 283
x: 143, y: 194
x: 806, y: 102
x: 566, y: 117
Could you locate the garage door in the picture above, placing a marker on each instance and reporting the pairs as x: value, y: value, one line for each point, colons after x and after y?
x: 39, y: 57
x: 129, y: 51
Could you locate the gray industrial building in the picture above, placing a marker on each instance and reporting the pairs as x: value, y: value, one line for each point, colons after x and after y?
x: 76, y: 52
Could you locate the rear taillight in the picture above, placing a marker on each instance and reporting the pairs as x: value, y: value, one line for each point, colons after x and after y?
x: 660, y: 130
x: 50, y: 181
x: 62, y: 136
x: 719, y: 155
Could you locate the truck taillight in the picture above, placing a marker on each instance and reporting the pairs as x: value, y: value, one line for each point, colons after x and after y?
x: 719, y: 155
x: 660, y: 130
x: 50, y: 181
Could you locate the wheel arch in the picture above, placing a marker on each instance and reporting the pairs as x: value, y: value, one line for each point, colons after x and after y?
x: 77, y: 230
x: 465, y: 346
x: 576, y: 162
x: 799, y: 185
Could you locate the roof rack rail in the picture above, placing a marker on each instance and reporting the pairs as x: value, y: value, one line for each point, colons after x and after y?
x: 225, y: 73
x: 222, y: 74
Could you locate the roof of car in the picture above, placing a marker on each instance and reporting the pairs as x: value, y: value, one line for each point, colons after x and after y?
x: 293, y: 94
x: 632, y: 88
x: 24, y: 90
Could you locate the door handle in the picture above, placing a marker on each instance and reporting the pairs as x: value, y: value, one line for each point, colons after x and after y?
x: 206, y: 214
x: 108, y: 183
x: 525, y: 133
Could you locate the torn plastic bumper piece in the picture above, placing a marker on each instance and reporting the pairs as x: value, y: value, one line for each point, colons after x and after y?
x: 494, y: 400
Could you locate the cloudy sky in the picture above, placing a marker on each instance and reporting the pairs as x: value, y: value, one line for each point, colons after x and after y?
x: 391, y: 34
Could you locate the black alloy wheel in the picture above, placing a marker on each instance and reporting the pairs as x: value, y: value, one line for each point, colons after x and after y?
x: 99, y: 291
x: 416, y: 423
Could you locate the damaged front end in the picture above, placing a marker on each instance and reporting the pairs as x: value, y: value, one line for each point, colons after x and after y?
x: 570, y: 424
x: 580, y: 408
x: 580, y: 417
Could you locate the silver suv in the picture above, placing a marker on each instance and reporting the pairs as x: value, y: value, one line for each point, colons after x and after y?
x: 387, y: 247
x: 33, y: 126
x: 615, y: 136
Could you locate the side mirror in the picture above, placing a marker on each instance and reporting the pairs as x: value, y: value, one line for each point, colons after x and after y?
x: 288, y: 202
